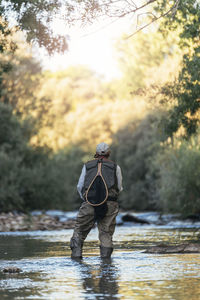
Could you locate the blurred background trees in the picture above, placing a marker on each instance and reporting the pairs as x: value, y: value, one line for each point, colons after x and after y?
x: 52, y: 121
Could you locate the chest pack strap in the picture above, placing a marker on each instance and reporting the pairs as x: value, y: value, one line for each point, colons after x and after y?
x: 99, y: 173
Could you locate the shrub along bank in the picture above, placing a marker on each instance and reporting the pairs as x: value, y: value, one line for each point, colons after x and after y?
x: 157, y: 175
x: 31, y: 177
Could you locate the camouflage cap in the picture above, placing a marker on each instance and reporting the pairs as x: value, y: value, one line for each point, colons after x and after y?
x: 102, y: 149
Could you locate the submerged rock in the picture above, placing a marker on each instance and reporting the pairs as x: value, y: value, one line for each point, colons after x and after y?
x: 134, y: 219
x: 194, y: 217
x: 183, y: 248
x: 12, y: 270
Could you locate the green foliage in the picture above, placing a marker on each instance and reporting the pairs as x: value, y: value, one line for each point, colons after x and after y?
x: 6, y: 45
x: 34, y: 178
x: 20, y: 84
x: 187, y: 88
x: 12, y: 146
x: 10, y: 182
x: 51, y: 122
x: 178, y: 187
x: 10, y: 131
x: 135, y: 146
x: 186, y: 91
x: 51, y: 184
x: 185, y: 18
x: 139, y: 55
x: 35, y: 18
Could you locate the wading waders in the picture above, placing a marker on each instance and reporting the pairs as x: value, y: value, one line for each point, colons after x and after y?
x: 100, y: 205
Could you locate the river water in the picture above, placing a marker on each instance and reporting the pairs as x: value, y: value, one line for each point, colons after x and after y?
x: 48, y: 272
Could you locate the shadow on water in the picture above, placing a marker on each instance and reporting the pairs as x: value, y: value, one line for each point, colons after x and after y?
x: 18, y: 247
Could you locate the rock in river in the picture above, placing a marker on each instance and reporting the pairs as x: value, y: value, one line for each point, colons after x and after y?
x: 134, y: 219
x: 12, y: 270
x: 183, y: 248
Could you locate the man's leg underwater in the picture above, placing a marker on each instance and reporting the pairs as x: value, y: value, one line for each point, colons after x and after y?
x: 84, y: 223
x: 106, y: 228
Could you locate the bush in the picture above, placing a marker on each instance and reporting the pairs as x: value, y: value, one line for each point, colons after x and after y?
x: 34, y: 177
x: 12, y: 145
x: 134, y: 148
x: 10, y: 182
x: 52, y: 184
x: 178, y: 187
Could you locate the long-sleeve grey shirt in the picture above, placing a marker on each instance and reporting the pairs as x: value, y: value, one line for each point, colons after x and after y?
x: 82, y: 179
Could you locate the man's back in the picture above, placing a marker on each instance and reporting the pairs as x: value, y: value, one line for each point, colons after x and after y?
x: 99, y: 185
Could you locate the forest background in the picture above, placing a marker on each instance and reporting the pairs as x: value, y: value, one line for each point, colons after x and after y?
x: 52, y: 121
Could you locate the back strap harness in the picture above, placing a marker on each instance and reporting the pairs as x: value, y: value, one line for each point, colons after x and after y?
x: 99, y: 173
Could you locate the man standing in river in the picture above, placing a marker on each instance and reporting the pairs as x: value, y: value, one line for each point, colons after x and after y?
x: 99, y: 185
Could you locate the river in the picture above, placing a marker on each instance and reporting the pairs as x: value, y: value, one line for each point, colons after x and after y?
x: 48, y: 272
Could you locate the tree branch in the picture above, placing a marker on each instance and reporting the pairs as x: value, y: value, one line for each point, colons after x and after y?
x: 173, y: 10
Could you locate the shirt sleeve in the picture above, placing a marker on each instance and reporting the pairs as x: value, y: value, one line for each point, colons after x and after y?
x: 119, y: 178
x: 81, y: 182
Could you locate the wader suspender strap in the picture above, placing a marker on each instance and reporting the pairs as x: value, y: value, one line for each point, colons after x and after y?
x: 98, y: 174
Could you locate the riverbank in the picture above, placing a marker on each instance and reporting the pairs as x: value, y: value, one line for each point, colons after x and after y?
x: 32, y: 222
x: 58, y: 220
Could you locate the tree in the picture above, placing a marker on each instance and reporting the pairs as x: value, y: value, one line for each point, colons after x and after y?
x: 36, y: 17
x: 178, y: 181
x: 186, y: 89
x: 135, y: 148
x: 33, y: 177
x: 6, y: 45
x: 141, y: 57
x: 12, y: 150
x: 20, y: 84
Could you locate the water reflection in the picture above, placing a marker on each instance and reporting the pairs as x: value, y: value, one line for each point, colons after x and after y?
x: 99, y: 281
x: 49, y: 273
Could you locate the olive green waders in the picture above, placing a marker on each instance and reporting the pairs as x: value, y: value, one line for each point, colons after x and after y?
x: 84, y: 223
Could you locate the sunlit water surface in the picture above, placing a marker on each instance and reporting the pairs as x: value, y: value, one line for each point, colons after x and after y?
x: 48, y: 272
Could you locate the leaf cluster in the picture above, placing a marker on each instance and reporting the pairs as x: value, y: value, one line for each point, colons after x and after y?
x: 35, y: 19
